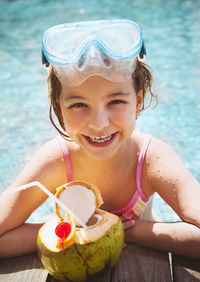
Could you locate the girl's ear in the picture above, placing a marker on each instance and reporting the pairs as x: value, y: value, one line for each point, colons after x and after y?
x: 139, y: 100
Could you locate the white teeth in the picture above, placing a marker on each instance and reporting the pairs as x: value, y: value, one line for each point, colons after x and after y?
x: 100, y: 139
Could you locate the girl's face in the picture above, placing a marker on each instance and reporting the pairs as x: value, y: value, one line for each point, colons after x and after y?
x: 99, y: 114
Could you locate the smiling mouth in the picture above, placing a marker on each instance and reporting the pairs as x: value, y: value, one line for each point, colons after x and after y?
x: 100, y: 140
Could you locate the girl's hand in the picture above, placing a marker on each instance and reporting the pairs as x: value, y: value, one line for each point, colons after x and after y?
x: 127, y: 224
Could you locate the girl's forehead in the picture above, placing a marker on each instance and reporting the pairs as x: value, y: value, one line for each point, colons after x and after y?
x: 99, y: 85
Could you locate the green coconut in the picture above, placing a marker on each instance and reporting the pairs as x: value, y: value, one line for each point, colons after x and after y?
x: 92, y: 249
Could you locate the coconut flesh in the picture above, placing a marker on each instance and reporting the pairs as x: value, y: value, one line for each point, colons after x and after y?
x: 82, y: 200
x: 93, y: 249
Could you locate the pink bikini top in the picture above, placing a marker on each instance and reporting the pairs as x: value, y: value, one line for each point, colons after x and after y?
x: 139, y: 201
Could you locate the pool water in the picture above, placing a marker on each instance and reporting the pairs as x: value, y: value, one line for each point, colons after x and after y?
x: 172, y: 36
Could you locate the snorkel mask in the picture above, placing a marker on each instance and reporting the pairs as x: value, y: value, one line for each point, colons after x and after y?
x: 107, y: 48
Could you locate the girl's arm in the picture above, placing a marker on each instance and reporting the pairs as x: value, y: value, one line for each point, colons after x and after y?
x: 173, y: 182
x: 19, y: 241
x: 178, y: 237
x: 47, y: 166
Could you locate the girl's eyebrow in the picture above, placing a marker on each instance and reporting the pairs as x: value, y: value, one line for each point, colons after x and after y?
x: 115, y: 94
x: 118, y: 94
x: 71, y: 97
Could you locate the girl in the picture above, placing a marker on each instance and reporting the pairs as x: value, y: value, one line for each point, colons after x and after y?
x: 97, y: 85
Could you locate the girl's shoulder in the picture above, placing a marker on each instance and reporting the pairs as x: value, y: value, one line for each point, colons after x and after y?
x: 161, y: 153
x: 156, y: 147
x: 161, y: 162
x: 164, y: 167
x: 49, y: 152
x: 52, y: 149
x: 47, y: 165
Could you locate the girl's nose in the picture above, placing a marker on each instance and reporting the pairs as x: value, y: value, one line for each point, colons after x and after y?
x: 98, y: 120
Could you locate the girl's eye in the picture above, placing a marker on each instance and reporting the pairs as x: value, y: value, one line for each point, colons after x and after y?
x: 77, y: 105
x: 116, y: 102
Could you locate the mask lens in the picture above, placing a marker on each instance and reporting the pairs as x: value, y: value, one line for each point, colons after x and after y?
x: 120, y: 40
x: 65, y: 44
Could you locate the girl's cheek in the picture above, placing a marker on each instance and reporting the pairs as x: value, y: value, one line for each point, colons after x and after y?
x: 74, y: 121
x: 123, y: 117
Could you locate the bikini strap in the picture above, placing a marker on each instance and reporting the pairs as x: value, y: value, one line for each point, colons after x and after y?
x: 140, y: 166
x: 67, y: 157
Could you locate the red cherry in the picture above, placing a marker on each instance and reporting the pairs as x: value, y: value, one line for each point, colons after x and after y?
x: 63, y: 230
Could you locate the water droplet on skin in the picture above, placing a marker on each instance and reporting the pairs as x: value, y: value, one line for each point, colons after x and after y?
x: 162, y: 179
x: 158, y: 172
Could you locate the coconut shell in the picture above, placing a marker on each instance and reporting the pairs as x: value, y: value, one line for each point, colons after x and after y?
x: 93, y: 250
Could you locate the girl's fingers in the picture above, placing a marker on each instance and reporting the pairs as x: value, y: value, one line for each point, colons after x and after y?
x: 128, y: 224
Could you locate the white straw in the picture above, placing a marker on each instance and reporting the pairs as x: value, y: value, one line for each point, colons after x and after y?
x: 45, y: 190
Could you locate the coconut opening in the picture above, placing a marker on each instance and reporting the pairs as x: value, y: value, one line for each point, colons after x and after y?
x: 93, y: 220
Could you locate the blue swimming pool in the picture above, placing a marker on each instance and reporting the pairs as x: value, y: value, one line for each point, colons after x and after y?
x: 172, y: 35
